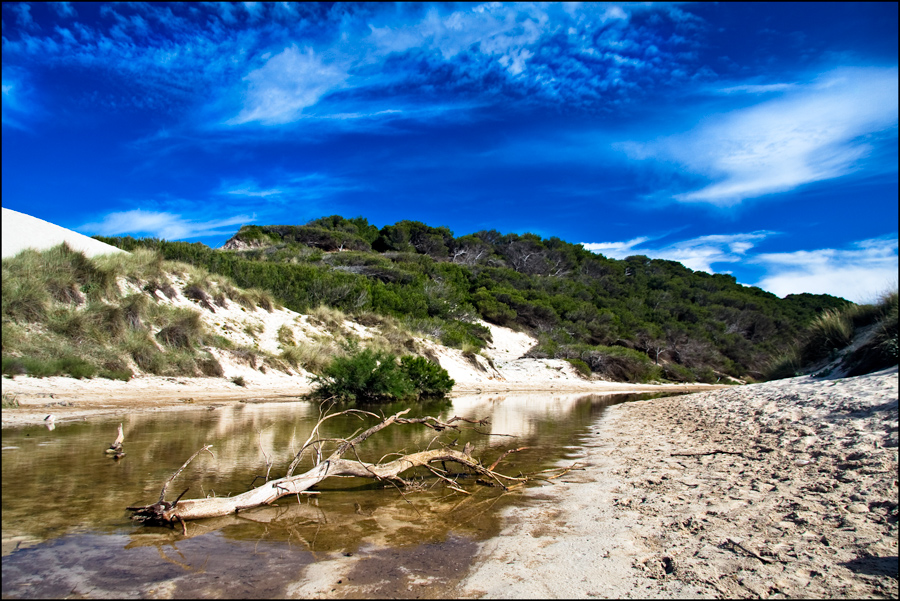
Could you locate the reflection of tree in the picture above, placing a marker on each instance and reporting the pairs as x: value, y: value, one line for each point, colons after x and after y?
x: 64, y: 482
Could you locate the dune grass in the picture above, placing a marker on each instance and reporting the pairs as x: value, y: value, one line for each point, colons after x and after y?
x: 66, y: 314
x: 834, y: 330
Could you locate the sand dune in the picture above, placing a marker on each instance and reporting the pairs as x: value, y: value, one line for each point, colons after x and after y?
x: 21, y: 231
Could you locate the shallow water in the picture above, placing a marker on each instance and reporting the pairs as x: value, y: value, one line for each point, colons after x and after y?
x: 66, y: 530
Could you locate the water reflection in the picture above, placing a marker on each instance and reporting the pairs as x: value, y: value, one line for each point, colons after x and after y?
x: 60, y: 490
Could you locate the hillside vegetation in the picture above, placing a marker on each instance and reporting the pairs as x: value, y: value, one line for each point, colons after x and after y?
x: 117, y: 316
x: 849, y: 341
x: 636, y: 319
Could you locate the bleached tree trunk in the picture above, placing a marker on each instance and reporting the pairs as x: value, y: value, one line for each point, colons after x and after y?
x: 334, y: 465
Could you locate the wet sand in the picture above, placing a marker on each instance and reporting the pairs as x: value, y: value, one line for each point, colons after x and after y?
x: 781, y: 489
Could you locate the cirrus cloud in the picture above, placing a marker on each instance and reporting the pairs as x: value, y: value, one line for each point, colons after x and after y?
x: 814, y: 132
x: 161, y: 224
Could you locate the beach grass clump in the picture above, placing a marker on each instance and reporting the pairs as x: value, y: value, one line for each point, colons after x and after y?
x: 64, y: 314
x: 883, y: 348
x: 829, y: 332
x: 330, y: 317
x: 313, y: 356
x: 285, y: 336
x: 183, y: 329
x: 197, y: 292
x: 786, y: 365
x: 9, y: 400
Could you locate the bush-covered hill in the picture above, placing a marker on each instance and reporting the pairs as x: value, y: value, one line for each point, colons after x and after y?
x: 582, y: 306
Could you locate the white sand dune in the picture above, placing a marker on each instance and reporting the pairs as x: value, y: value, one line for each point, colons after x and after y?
x: 21, y: 231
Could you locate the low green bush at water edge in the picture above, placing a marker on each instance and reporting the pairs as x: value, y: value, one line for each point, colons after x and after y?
x: 371, y: 376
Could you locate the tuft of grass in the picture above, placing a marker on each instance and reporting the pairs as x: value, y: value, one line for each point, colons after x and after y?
x: 830, y: 331
x: 24, y: 300
x: 184, y: 330
x: 196, y: 292
x: 161, y: 284
x: 286, y: 336
x: 314, y: 357
x: 253, y: 329
x: 330, y: 317
x: 10, y: 401
x: 209, y: 366
x: 238, y: 381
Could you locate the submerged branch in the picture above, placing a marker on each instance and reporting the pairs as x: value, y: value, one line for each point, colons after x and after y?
x: 335, y: 465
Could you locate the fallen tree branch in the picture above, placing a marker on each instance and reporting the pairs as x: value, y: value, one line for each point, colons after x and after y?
x: 730, y: 542
x: 334, y: 465
x: 715, y: 452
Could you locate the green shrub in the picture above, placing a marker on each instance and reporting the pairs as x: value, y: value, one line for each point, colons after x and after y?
x: 366, y: 376
x: 67, y: 365
x: 678, y: 373
x: 581, y: 367
x: 427, y: 378
x: 707, y: 375
x: 621, y: 364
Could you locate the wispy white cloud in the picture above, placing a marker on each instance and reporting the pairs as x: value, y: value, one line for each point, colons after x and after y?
x: 249, y: 188
x: 698, y: 254
x: 817, y: 132
x: 857, y: 273
x: 289, y: 187
x: 17, y: 104
x: 756, y: 88
x: 64, y: 9
x: 22, y: 10
x: 161, y: 224
x: 289, y: 82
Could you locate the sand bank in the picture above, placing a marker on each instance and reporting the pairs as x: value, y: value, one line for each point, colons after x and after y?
x: 781, y: 489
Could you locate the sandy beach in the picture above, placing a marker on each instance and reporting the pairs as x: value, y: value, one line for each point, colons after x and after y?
x: 780, y: 489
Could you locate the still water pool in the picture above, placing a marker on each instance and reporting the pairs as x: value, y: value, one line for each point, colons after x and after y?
x: 66, y: 531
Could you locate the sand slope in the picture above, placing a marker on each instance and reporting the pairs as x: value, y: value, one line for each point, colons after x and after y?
x: 21, y: 231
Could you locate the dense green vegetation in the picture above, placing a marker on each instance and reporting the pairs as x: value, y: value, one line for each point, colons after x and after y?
x: 372, y: 376
x: 636, y: 319
x: 826, y: 338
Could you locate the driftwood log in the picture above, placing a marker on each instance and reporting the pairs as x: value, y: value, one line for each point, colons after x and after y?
x: 163, y: 512
x: 115, y: 449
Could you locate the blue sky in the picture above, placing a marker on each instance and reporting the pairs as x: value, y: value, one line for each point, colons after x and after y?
x: 753, y: 139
